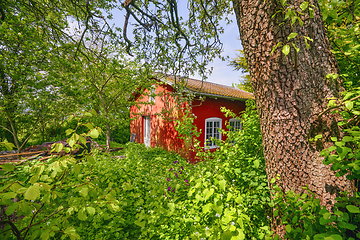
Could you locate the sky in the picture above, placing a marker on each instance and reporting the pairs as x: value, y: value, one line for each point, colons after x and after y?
x: 222, y: 73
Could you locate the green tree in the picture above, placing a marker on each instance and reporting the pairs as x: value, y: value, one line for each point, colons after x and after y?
x: 239, y: 64
x: 36, y: 42
x: 108, y: 80
x: 342, y: 21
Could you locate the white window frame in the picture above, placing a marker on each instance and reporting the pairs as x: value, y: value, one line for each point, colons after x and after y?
x: 212, y: 126
x: 235, y: 124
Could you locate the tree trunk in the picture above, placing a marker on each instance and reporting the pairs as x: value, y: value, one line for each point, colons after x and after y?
x: 290, y: 92
x: 108, y: 134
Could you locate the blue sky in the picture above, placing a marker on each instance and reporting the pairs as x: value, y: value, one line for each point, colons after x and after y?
x: 222, y: 73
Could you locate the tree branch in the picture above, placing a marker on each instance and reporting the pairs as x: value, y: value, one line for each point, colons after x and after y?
x: 13, y: 228
x: 128, y: 42
x: 346, y: 55
x: 86, y: 26
x: 2, y: 12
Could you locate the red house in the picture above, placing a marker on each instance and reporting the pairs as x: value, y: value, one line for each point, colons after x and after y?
x: 155, y: 115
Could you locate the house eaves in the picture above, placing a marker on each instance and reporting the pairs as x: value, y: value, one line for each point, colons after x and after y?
x: 212, y: 90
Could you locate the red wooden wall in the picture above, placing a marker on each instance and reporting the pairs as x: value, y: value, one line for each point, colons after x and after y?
x: 163, y: 133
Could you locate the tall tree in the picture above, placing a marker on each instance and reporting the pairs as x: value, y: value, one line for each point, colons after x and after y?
x: 291, y: 90
x: 108, y: 80
x: 36, y: 41
x: 240, y: 64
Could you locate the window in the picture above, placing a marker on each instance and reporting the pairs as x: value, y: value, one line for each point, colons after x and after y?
x: 212, y: 126
x: 235, y: 124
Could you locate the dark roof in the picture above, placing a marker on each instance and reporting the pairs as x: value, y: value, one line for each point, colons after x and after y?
x: 209, y: 88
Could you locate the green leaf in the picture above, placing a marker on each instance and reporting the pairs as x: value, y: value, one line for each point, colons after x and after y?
x: 238, y: 199
x: 90, y: 210
x: 288, y: 228
x: 32, y: 193
x: 288, y: 13
x: 72, y: 232
x: 296, y: 48
x: 45, y: 235
x: 352, y: 209
x: 349, y: 105
x: 347, y: 139
x: 71, y: 141
x: 222, y: 184
x: 88, y: 114
x: 7, y: 167
x: 24, y: 206
x: 304, y: 5
x: 82, y: 140
x: 294, y: 219
x: 82, y: 215
x: 94, y: 133
x: 140, y: 223
x: 276, y: 213
x: 206, y: 208
x: 11, y: 208
x: 333, y: 237
x: 8, y: 145
x: 311, y: 11
x: 57, y: 147
x: 93, y: 111
x: 286, y: 49
x: 350, y: 226
x: 91, y: 159
x: 35, y: 234
x: 256, y: 163
x: 333, y: 14
x: 69, y: 131
x: 114, y: 207
x: 89, y: 126
x: 274, y: 48
x: 171, y: 206
x: 14, y: 187
x: 292, y: 35
x: 84, y: 191
x: 34, y: 178
x: 8, y: 195
x: 208, y: 193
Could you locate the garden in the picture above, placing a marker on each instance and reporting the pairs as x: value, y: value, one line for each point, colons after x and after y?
x: 69, y: 72
x: 149, y: 193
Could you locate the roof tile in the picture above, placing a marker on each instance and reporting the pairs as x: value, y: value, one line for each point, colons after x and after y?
x: 211, y: 88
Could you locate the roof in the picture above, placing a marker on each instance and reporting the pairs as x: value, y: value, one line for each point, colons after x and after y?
x: 211, y: 89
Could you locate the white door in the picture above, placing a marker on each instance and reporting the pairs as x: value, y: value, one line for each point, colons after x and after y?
x: 147, y: 130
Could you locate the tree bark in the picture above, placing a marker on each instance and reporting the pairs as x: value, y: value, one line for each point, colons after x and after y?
x: 290, y: 92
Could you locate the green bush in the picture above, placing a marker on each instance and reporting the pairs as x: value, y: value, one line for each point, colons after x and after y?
x: 150, y: 194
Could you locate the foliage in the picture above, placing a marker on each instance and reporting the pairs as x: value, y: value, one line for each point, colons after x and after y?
x: 342, y: 21
x: 174, y: 39
x: 150, y: 194
x: 240, y: 64
x: 39, y: 197
x: 37, y: 42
